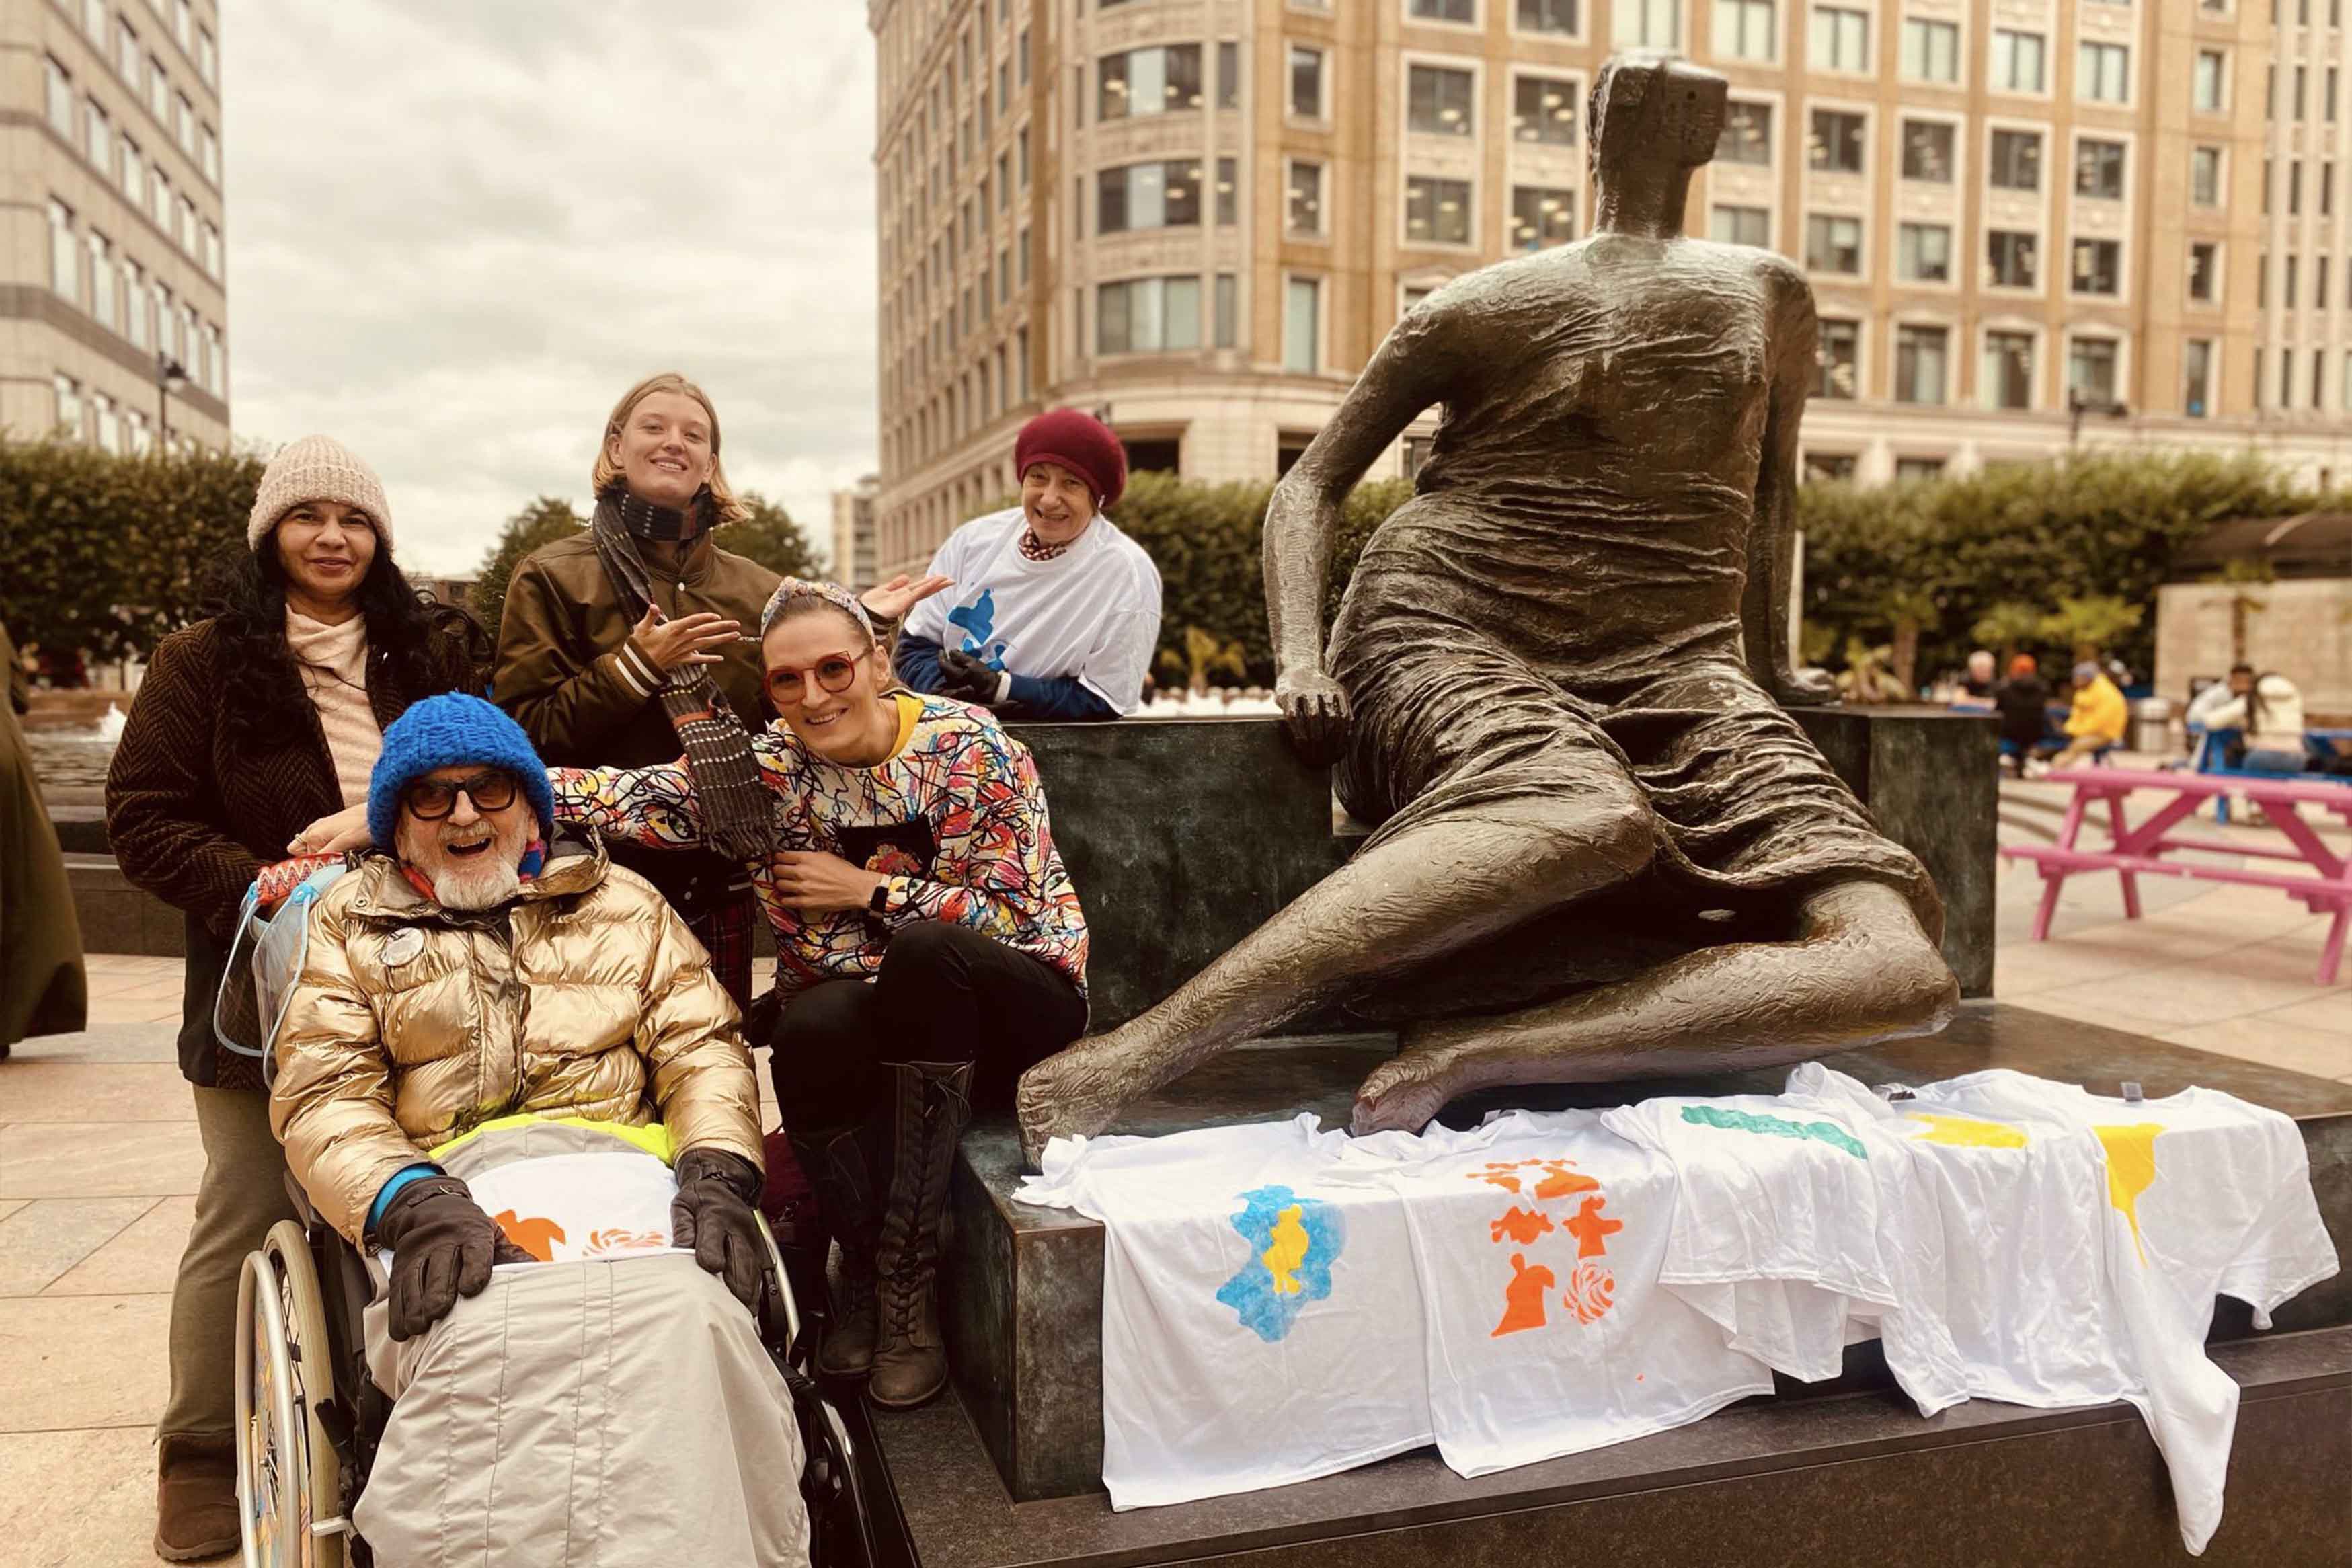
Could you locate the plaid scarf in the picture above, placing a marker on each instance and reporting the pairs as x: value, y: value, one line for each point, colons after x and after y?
x: 738, y: 818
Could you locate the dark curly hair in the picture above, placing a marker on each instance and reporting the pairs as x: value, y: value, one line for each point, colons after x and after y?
x: 264, y: 684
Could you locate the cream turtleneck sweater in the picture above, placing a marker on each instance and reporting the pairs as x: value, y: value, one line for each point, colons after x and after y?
x: 333, y: 661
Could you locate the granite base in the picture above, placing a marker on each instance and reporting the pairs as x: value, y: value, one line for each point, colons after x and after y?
x: 1023, y: 1286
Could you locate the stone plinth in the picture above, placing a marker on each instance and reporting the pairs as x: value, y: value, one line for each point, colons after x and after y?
x: 1024, y: 1284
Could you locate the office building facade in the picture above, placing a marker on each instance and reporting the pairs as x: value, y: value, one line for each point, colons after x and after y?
x: 2028, y: 223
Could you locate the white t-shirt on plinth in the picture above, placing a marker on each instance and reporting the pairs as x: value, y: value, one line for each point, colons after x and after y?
x: 1259, y: 1324
x: 1538, y: 1240
x: 1092, y: 611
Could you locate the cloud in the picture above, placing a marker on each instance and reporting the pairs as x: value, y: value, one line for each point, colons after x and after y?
x: 458, y: 230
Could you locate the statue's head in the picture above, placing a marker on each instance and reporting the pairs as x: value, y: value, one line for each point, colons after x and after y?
x: 1651, y: 107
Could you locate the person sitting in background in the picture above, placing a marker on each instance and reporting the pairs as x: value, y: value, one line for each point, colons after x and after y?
x: 43, y: 990
x: 2267, y: 713
x: 2023, y: 703
x: 2098, y: 718
x: 476, y: 968
x: 1975, y: 694
x: 1055, y: 612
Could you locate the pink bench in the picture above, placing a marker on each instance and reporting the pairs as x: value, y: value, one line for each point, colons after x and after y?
x: 2139, y: 850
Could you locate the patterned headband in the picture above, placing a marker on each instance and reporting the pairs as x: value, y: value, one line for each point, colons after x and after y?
x: 833, y: 594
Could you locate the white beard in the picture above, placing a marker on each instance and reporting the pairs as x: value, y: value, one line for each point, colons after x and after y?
x: 485, y: 888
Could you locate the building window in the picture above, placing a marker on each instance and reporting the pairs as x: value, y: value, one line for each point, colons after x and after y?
x: 1306, y: 82
x: 65, y: 257
x: 1543, y: 110
x: 2099, y: 169
x: 1436, y: 211
x: 1229, y: 200
x: 1924, y: 252
x: 2293, y: 276
x: 209, y: 158
x: 70, y: 419
x: 1415, y: 456
x: 134, y: 175
x: 1833, y: 244
x: 1931, y: 50
x: 2301, y: 81
x: 1438, y: 100
x: 2207, y: 79
x: 1741, y: 226
x: 1148, y: 195
x: 2017, y: 160
x: 2196, y: 377
x: 1837, y: 359
x: 1148, y: 81
x: 1021, y: 252
x: 61, y: 98
x: 135, y: 304
x: 1649, y: 24
x: 1228, y: 309
x: 1306, y: 215
x: 1829, y: 468
x: 1921, y: 353
x: 1302, y: 329
x: 1541, y: 215
x: 2263, y: 284
x: 1839, y: 39
x: 2327, y: 188
x: 2091, y: 370
x: 2205, y: 176
x: 1927, y: 151
x: 1442, y: 11
x: 1837, y: 141
x: 2008, y: 370
x: 126, y: 57
x: 1545, y: 16
x: 2012, y: 260
x: 2294, y: 187
x: 1747, y: 134
x: 1908, y: 470
x: 2098, y: 266
x: 1229, y: 75
x: 109, y: 421
x: 2103, y: 73
x: 1746, y: 29
x: 2019, y: 61
x: 2286, y: 378
x: 1148, y: 315
x: 2204, y: 265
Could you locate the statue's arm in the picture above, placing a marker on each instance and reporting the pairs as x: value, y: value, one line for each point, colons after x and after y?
x: 1772, y: 543
x: 1405, y: 377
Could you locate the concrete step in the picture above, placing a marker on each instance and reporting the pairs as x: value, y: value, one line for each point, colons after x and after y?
x: 1851, y: 1478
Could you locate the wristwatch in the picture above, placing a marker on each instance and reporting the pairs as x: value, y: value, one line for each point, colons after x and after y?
x: 879, y: 903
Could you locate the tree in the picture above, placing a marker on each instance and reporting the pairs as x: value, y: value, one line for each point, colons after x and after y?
x: 2243, y: 576
x: 542, y: 522
x: 1204, y: 656
x: 2009, y: 628
x: 771, y: 538
x: 2092, y: 623
x: 108, y: 555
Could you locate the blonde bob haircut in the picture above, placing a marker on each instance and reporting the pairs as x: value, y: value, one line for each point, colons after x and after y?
x: 607, y: 473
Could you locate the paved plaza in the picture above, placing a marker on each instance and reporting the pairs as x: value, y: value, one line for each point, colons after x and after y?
x: 98, y: 1157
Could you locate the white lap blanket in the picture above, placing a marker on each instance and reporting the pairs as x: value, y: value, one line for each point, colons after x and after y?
x: 612, y: 1411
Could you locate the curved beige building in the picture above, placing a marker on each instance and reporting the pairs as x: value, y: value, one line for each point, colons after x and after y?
x: 2028, y: 222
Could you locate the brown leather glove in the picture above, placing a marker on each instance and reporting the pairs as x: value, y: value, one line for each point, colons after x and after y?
x: 716, y: 1213
x: 442, y: 1245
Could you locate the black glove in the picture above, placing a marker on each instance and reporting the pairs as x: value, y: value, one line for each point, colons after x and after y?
x: 966, y: 679
x: 716, y: 1213
x: 442, y: 1248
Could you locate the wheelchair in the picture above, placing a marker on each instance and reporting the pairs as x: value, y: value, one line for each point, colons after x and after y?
x: 309, y: 1416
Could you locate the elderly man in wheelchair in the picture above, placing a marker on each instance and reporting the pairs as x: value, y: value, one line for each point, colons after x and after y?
x: 507, y: 1075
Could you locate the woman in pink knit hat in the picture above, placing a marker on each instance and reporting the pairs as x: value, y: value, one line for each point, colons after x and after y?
x: 1053, y: 613
x: 248, y: 727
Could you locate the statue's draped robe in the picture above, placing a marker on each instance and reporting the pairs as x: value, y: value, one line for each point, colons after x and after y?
x: 1558, y: 606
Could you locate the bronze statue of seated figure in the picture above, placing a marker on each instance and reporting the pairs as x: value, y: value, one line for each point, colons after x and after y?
x: 1556, y: 684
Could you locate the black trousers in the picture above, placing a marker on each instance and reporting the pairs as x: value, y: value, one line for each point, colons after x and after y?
x: 944, y: 993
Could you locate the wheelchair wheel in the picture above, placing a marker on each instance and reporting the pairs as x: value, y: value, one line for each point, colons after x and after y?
x: 288, y: 1476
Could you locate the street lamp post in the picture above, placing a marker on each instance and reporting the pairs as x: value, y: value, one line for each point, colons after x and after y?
x: 169, y: 373
x: 2079, y: 403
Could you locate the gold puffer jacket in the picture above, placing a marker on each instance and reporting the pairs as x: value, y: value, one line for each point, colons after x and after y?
x: 412, y: 1023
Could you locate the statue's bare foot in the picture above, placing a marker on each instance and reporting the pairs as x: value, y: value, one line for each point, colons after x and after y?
x: 1073, y: 1093
x: 1429, y: 1068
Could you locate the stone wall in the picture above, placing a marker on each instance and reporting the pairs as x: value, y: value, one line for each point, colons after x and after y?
x: 2303, y: 631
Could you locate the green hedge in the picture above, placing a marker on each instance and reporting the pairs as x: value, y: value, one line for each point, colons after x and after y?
x: 108, y: 555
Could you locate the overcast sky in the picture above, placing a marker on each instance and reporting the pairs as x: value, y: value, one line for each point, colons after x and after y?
x: 460, y: 229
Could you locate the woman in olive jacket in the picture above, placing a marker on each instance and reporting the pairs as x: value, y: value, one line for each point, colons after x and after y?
x: 249, y: 726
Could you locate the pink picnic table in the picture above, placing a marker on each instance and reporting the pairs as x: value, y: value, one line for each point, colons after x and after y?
x: 2139, y: 850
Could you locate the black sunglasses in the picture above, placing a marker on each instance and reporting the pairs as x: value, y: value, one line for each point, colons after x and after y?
x: 430, y: 800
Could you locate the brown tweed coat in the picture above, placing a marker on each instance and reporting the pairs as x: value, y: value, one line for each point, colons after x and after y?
x: 192, y: 814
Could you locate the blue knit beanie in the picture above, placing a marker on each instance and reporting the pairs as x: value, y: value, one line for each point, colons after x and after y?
x: 451, y: 731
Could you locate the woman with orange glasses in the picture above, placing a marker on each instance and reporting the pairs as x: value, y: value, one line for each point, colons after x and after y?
x: 928, y: 942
